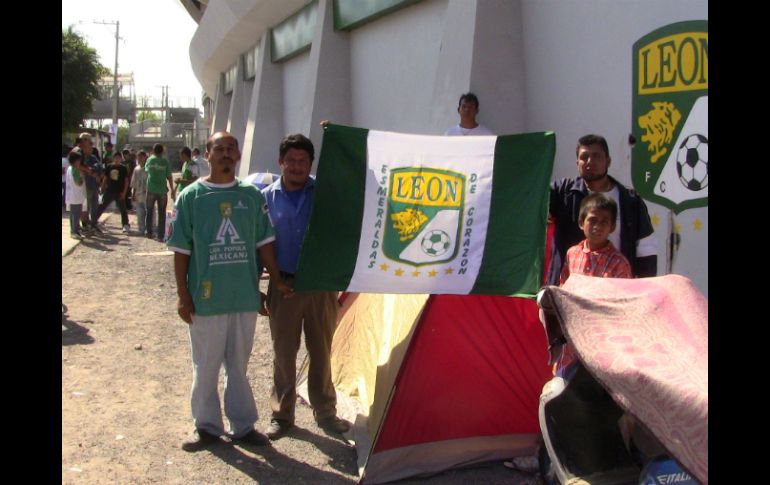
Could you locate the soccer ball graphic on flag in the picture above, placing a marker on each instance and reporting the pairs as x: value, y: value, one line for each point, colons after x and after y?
x: 435, y: 243
x: 692, y: 162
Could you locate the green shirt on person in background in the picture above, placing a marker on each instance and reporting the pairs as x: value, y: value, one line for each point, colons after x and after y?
x: 221, y: 226
x: 158, y: 169
x: 189, y: 170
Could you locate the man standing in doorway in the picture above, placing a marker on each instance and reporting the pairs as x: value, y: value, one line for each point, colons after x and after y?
x: 633, y: 234
x: 158, y: 174
x: 468, y: 108
x: 289, y: 200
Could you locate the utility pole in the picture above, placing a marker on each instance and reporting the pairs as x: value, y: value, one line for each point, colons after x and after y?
x: 116, y: 91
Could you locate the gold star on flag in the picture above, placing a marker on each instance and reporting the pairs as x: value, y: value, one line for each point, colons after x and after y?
x: 432, y: 273
x: 678, y: 228
x: 399, y: 272
x: 448, y: 271
x: 415, y: 273
x: 384, y: 266
x: 697, y: 224
x: 655, y: 220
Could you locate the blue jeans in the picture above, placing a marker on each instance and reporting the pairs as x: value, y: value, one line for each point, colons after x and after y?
x: 162, y: 200
x: 141, y: 213
x: 75, y: 210
x: 93, y: 206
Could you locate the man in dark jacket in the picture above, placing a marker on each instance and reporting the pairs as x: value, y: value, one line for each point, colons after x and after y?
x: 633, y: 234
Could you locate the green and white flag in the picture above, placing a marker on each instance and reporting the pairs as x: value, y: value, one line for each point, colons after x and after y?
x: 401, y: 213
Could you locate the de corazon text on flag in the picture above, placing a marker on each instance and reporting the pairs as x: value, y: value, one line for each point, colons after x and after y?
x: 402, y: 213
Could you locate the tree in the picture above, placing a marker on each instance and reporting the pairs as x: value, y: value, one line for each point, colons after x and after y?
x: 148, y: 116
x: 122, y: 135
x: 80, y: 74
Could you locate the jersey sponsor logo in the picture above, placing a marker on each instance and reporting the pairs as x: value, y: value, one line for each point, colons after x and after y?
x: 228, y: 247
x: 669, y: 163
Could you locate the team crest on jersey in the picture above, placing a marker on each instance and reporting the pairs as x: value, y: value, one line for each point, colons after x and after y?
x: 669, y: 162
x: 226, y: 209
x: 424, y: 215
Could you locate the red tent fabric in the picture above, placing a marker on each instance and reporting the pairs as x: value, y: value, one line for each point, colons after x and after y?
x: 476, y: 367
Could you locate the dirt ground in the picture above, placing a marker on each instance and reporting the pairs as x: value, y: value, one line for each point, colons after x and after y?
x: 126, y: 376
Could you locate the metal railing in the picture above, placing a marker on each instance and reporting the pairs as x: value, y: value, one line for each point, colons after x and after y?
x: 186, y: 133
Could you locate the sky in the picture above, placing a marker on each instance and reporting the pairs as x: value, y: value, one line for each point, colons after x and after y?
x: 154, y: 43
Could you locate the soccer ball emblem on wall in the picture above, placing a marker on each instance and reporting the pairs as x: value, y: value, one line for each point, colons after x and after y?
x: 435, y: 243
x: 692, y: 162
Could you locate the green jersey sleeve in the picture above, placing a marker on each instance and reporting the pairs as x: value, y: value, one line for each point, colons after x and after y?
x: 181, y: 239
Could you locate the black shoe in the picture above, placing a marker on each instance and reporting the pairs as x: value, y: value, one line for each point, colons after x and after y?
x: 333, y: 425
x: 97, y: 229
x: 150, y: 236
x: 278, y: 428
x: 255, y: 438
x: 199, y: 440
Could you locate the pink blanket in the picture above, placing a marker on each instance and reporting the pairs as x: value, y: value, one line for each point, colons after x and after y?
x: 646, y: 341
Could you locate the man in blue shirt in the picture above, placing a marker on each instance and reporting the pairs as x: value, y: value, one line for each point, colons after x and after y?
x: 289, y: 200
x: 93, y: 178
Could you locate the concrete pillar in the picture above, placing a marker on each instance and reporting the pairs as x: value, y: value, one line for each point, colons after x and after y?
x: 264, y: 127
x: 498, y: 29
x: 453, y: 74
x: 328, y: 83
x: 221, y: 107
x: 473, y: 30
x: 241, y: 96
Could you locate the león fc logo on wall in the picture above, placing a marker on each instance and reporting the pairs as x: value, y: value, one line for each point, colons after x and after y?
x: 669, y: 163
x: 424, y: 214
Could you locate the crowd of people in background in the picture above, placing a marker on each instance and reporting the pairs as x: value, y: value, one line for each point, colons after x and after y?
x: 133, y: 180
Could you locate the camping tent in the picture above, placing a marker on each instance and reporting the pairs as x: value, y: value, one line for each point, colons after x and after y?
x: 438, y: 381
x: 433, y: 382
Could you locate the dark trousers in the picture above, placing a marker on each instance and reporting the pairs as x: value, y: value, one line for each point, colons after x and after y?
x: 316, y: 314
x: 107, y: 199
x: 93, y: 206
x: 162, y: 200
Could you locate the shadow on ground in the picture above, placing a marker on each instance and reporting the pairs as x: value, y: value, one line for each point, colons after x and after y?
x: 268, y: 466
x: 73, y: 333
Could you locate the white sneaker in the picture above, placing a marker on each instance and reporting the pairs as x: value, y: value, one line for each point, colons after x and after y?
x: 125, y: 229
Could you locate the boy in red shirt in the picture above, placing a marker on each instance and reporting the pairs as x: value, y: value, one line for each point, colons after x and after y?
x: 593, y: 256
x: 596, y: 255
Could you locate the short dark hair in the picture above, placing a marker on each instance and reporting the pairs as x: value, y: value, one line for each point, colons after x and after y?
x: 157, y: 149
x: 469, y: 97
x: 597, y: 200
x: 297, y: 141
x: 593, y: 140
x: 126, y: 152
x: 74, y: 156
x: 185, y: 151
x: 108, y: 144
x: 196, y: 150
x: 141, y: 152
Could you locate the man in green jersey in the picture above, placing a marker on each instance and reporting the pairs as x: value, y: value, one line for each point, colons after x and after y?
x: 221, y: 237
x: 158, y: 173
x: 190, y: 171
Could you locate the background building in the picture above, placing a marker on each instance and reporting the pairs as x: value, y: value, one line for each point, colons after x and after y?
x: 273, y: 67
